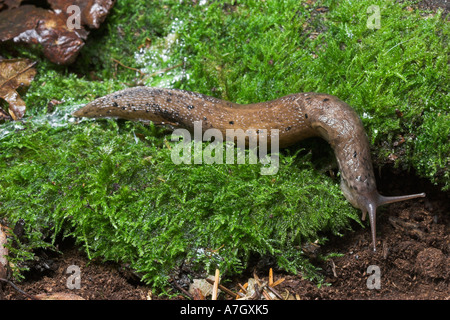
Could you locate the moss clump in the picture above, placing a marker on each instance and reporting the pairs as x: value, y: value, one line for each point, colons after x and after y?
x: 124, y: 199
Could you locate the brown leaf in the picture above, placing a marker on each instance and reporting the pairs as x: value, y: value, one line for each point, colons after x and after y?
x: 32, y: 25
x: 28, y: 15
x: 93, y: 12
x: 15, y: 73
x: 60, y: 42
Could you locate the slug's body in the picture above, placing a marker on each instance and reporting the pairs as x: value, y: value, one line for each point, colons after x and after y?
x: 296, y: 116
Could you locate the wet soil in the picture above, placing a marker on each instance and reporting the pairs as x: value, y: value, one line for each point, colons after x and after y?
x: 412, y: 260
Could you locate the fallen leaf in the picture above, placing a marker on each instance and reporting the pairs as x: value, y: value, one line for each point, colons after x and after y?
x: 250, y: 290
x: 33, y: 25
x: 60, y: 40
x: 92, y: 12
x: 28, y: 15
x: 15, y: 73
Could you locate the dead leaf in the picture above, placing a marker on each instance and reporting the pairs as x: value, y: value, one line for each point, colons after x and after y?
x: 59, y: 296
x: 28, y: 15
x: 15, y: 73
x: 33, y: 25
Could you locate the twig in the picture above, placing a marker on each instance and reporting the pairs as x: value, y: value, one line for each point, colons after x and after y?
x: 258, y: 287
x: 167, y: 144
x: 134, y: 69
x: 270, y: 277
x: 385, y: 249
x: 262, y: 287
x: 19, y: 290
x: 28, y: 67
x: 266, y: 295
x: 277, y: 282
x: 257, y: 294
x: 243, y: 288
x: 333, y: 268
x: 216, y: 285
x: 274, y: 292
x: 255, y: 276
x: 225, y: 289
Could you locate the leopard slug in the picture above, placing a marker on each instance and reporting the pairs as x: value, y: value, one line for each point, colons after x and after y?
x: 296, y: 116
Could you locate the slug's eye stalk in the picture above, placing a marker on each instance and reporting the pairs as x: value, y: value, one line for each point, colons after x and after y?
x: 372, y: 210
x: 376, y: 200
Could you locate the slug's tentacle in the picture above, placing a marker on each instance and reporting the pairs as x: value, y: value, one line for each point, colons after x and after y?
x: 376, y: 200
x: 296, y: 116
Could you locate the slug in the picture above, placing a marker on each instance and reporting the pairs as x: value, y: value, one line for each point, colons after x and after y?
x: 296, y: 116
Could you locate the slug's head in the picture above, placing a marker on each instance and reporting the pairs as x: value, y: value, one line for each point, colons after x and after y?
x: 369, y: 201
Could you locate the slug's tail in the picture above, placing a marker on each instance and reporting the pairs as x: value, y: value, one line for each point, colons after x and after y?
x: 371, y: 209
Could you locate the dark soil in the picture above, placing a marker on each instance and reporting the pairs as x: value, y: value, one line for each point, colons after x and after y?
x: 413, y: 257
x: 435, y: 5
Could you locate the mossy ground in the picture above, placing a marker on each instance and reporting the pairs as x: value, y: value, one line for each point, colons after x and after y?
x: 112, y: 184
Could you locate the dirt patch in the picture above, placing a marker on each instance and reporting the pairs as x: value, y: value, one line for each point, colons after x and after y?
x: 98, y: 281
x: 435, y: 5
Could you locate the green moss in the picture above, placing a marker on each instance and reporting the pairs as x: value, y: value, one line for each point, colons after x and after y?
x: 112, y: 184
x: 124, y: 199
